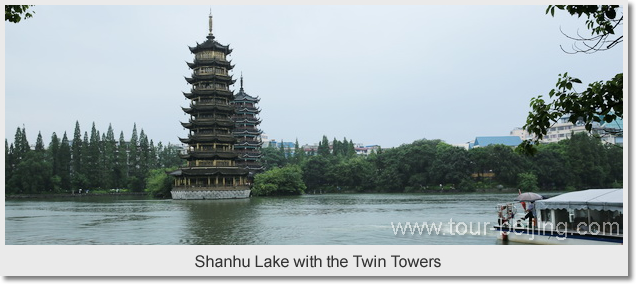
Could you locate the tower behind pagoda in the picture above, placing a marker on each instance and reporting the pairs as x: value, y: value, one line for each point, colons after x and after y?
x: 211, y: 170
x: 247, y: 132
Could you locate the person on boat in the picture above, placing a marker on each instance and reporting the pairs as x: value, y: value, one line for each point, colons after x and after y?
x: 529, y: 214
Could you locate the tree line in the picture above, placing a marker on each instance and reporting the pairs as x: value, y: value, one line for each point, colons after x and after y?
x: 93, y: 161
x: 580, y: 162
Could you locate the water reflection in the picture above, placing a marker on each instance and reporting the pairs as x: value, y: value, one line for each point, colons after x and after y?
x: 219, y: 222
x: 350, y: 219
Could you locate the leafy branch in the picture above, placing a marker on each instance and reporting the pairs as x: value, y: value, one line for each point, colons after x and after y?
x: 12, y: 13
x: 601, y: 21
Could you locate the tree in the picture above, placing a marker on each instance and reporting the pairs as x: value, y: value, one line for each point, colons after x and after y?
x: 109, y: 158
x: 64, y: 158
x: 121, y: 169
x: 9, y: 163
x: 587, y: 161
x: 451, y: 165
x: 92, y: 159
x: 528, y: 182
x: 280, y: 181
x: 551, y: 166
x: 323, y: 146
x: 135, y: 181
x: 53, y: 155
x: 39, y: 143
x: 76, y: 156
x: 315, y: 172
x: 600, y: 101
x: 159, y: 184
x: 601, y: 21
x: 14, y: 13
x: 272, y: 158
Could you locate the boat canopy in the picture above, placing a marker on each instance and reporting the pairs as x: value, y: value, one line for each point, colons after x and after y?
x: 593, y: 199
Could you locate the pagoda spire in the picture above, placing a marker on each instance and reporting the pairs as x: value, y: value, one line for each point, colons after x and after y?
x: 210, y: 24
x: 241, y: 81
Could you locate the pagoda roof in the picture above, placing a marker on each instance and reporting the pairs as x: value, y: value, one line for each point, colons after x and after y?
x: 248, y: 143
x: 212, y: 77
x: 210, y: 44
x: 254, y: 132
x: 209, y: 171
x: 209, y: 155
x: 208, y: 93
x: 207, y: 107
x: 211, y: 62
x: 206, y: 122
x: 243, y: 96
x: 250, y: 110
x: 194, y: 138
x: 248, y: 120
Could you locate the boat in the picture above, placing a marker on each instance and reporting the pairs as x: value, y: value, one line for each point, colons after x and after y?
x: 593, y: 216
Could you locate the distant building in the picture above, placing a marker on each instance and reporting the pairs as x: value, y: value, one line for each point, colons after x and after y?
x: 311, y: 150
x: 563, y: 129
x: 609, y: 132
x: 483, y: 141
x: 522, y: 133
x: 366, y: 150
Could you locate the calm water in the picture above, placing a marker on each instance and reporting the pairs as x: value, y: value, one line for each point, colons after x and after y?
x: 351, y: 219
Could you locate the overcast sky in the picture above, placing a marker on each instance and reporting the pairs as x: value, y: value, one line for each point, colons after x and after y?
x: 385, y: 75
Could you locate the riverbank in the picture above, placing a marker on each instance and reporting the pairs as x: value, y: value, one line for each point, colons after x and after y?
x: 66, y: 195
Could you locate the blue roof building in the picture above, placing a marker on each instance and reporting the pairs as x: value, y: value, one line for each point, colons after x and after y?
x: 483, y: 141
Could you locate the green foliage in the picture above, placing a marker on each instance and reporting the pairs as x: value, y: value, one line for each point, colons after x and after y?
x: 528, y: 182
x: 600, y: 19
x: 94, y: 163
x: 14, y: 13
x: 279, y: 181
x: 272, y: 158
x: 600, y: 101
x: 159, y: 184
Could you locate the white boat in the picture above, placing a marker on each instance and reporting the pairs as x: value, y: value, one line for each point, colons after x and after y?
x: 593, y: 216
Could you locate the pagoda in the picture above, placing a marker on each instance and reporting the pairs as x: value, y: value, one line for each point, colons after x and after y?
x: 211, y: 170
x: 246, y: 131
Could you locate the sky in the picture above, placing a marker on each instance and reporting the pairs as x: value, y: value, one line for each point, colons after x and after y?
x: 377, y: 75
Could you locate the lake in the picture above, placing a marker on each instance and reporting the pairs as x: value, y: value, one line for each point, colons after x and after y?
x: 328, y: 219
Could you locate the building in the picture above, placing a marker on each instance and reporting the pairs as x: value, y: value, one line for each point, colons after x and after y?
x: 246, y: 131
x: 211, y: 170
x: 362, y: 150
x: 522, y: 133
x: 609, y: 132
x: 564, y: 129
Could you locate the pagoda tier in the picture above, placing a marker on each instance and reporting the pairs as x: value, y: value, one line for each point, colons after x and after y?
x: 243, y: 97
x: 208, y: 93
x: 246, y: 120
x: 250, y: 155
x: 248, y: 110
x: 248, y: 144
x: 209, y: 138
x: 210, y: 61
x: 210, y: 171
x: 247, y: 132
x: 194, y: 155
x: 212, y: 78
x: 204, y: 107
x: 195, y: 124
x: 211, y: 45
